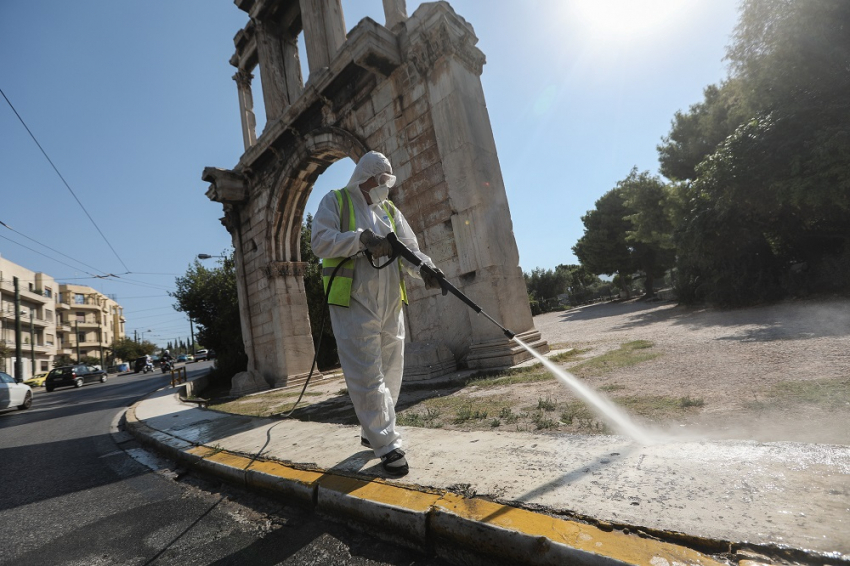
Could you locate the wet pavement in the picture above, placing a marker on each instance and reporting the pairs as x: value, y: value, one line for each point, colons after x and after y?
x: 769, y: 494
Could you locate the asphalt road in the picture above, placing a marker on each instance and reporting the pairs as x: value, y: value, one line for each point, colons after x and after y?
x: 73, y: 493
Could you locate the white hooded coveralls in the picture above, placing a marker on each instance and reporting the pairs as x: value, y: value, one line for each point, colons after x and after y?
x: 370, y: 332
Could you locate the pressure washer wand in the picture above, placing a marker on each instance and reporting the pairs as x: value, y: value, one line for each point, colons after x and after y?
x: 403, y: 251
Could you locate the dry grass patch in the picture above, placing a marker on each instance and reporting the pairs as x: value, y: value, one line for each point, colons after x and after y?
x: 659, y: 408
x: 263, y: 405
x: 823, y: 393
x: 568, y: 356
x: 628, y: 354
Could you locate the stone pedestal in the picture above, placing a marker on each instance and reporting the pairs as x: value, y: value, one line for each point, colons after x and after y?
x: 424, y: 360
x: 503, y: 352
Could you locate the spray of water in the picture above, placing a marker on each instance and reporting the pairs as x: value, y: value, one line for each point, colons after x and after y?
x: 612, y: 414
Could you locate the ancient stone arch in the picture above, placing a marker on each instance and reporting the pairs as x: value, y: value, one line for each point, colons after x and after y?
x: 410, y: 89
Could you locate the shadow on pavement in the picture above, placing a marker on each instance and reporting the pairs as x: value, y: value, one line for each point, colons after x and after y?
x: 568, y: 478
x: 47, y: 482
x: 793, y: 320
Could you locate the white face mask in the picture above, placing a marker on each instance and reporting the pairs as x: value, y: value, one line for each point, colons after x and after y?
x: 379, y: 194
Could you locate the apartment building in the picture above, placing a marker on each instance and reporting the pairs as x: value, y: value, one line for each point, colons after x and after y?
x: 89, y: 321
x: 55, y: 319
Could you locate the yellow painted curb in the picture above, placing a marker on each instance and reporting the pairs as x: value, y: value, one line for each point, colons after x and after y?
x: 380, y: 492
x: 285, y: 472
x: 579, y: 542
x: 449, y: 522
x: 400, y: 513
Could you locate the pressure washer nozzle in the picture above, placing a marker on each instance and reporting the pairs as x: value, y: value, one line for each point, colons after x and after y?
x: 509, y: 334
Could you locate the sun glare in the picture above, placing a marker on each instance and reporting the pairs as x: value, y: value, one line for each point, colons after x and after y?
x: 617, y: 20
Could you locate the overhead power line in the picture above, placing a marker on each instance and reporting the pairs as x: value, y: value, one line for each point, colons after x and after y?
x: 63, y: 180
x: 111, y: 276
x: 48, y: 257
x: 51, y: 249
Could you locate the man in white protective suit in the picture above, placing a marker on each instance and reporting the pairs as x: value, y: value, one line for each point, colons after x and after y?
x: 366, y: 302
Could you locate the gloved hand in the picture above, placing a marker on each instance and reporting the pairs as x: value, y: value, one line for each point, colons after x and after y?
x: 431, y: 282
x: 376, y: 245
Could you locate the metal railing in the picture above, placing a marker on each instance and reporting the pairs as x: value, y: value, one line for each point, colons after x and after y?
x: 180, y: 376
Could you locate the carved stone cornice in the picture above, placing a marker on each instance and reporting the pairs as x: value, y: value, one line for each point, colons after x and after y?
x: 285, y: 269
x: 243, y: 78
x: 226, y: 186
x: 443, y: 34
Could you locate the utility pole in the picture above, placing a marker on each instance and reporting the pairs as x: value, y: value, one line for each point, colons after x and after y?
x: 192, y: 332
x: 19, y: 364
x: 32, y: 344
x: 77, y: 331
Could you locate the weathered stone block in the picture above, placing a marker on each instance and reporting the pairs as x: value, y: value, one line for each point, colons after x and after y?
x: 424, y: 360
x: 383, y: 96
x: 246, y: 382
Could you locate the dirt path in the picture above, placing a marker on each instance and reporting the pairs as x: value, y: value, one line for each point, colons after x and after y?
x: 780, y: 372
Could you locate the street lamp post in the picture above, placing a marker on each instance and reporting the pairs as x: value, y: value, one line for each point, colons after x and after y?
x: 208, y: 256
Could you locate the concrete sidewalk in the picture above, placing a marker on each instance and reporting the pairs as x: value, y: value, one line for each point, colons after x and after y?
x: 534, y: 498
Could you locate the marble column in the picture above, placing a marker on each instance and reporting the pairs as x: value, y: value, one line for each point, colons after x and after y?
x: 395, y: 12
x: 324, y: 31
x: 246, y: 107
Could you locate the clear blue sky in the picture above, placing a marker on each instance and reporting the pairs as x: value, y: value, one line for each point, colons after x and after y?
x: 132, y: 99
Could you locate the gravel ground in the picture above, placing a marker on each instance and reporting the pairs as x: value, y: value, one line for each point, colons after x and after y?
x: 779, y: 372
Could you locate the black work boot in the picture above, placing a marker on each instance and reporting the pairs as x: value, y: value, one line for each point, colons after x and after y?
x: 394, y: 463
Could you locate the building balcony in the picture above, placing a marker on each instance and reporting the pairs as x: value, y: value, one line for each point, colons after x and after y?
x: 7, y: 287
x: 26, y: 348
x: 62, y: 305
x: 40, y: 322
x: 91, y: 344
x: 85, y: 324
x: 63, y: 327
x: 9, y: 315
x: 86, y: 305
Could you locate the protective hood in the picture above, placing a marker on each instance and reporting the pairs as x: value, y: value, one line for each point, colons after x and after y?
x: 371, y: 164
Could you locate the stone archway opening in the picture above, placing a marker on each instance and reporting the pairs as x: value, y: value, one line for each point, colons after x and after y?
x: 335, y: 176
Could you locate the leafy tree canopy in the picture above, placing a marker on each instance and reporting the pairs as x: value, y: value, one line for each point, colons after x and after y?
x: 316, y: 303
x: 767, y: 159
x: 127, y: 349
x: 209, y: 298
x: 630, y: 230
x: 603, y: 248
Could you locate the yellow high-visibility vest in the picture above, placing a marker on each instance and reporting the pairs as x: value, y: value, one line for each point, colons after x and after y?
x: 340, y: 294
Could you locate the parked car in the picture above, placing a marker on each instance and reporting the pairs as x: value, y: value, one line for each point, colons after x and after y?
x: 201, y: 355
x: 73, y: 376
x: 37, y: 380
x: 14, y: 394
